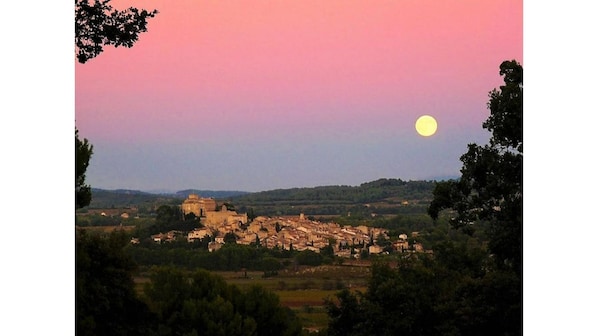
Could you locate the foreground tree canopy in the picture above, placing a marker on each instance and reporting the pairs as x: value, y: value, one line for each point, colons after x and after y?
x: 83, y: 152
x: 428, y: 295
x: 97, y: 24
x: 491, y: 184
x: 106, y: 302
x: 200, y: 303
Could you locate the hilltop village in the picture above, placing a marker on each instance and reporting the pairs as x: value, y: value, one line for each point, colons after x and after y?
x: 295, y: 232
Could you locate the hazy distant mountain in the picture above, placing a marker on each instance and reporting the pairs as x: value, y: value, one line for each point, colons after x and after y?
x: 126, y: 191
x: 218, y: 194
x: 445, y: 178
x: 103, y: 198
x: 180, y: 193
x: 99, y: 191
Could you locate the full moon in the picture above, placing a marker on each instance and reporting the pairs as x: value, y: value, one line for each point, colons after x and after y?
x: 426, y: 125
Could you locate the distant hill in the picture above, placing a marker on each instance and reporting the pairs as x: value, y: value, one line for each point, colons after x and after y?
x: 126, y: 198
x: 210, y: 193
x: 365, y: 193
x: 446, y: 177
x: 383, y: 196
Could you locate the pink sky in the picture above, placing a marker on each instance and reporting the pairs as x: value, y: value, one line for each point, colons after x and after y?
x: 258, y: 72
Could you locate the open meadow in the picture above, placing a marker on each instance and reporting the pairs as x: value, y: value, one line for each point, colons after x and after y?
x: 305, y: 289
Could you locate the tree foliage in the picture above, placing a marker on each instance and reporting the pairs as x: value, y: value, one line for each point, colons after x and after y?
x: 231, y: 257
x: 200, y: 303
x: 83, y: 152
x: 426, y: 295
x: 491, y: 183
x: 98, y: 24
x: 105, y: 300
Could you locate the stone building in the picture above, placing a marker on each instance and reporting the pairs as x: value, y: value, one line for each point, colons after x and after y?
x: 198, y: 234
x: 198, y: 206
x: 210, y: 217
x: 224, y: 217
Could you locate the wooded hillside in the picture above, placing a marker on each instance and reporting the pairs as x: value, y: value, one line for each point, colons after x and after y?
x: 383, y: 196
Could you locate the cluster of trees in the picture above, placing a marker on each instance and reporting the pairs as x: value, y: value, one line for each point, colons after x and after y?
x: 106, y: 302
x: 83, y: 153
x: 174, y: 301
x: 455, y: 292
x: 170, y: 217
x: 231, y: 257
x: 98, y: 24
x: 200, y: 303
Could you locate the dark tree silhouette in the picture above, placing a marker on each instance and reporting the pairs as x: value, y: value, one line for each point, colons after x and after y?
x: 83, y: 152
x: 491, y: 184
x: 97, y: 24
x: 201, y: 303
x: 106, y: 302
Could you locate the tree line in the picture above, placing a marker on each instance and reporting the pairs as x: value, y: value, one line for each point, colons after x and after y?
x: 378, y: 190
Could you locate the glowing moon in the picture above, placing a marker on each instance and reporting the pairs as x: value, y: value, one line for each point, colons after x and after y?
x: 426, y: 125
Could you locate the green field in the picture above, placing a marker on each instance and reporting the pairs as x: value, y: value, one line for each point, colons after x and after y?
x: 305, y: 289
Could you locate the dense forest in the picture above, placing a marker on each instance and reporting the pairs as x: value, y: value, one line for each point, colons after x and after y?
x: 383, y: 196
x: 379, y: 190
